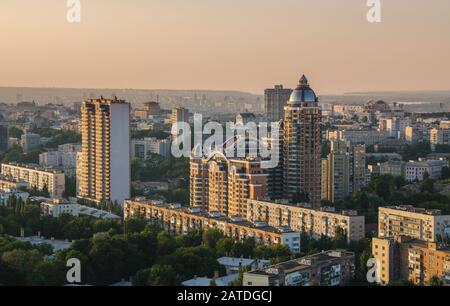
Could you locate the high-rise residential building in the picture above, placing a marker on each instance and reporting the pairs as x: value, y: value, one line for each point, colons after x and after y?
x: 417, y: 223
x: 3, y: 137
x: 179, y: 114
x: 198, y: 183
x: 105, y: 173
x: 224, y: 185
x: 302, y: 145
x: 275, y: 174
x: 336, y: 173
x: 275, y: 100
x: 358, y: 173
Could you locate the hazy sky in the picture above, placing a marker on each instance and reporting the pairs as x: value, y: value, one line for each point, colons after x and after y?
x: 226, y: 44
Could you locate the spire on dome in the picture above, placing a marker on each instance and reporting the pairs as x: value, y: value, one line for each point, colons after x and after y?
x: 303, y: 81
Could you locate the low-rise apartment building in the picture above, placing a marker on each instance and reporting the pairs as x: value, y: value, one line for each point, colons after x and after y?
x: 330, y: 268
x: 317, y: 223
x: 36, y: 177
x: 403, y: 258
x: 417, y: 223
x: 179, y: 220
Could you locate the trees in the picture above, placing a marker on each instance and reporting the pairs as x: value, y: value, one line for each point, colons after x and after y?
x: 211, y: 237
x: 435, y: 281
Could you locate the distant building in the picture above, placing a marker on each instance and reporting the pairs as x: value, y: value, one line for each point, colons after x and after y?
x: 150, y: 109
x: 336, y: 173
x: 5, y: 195
x: 416, y: 134
x: 393, y: 167
x: 358, y: 136
x: 30, y: 141
x: 179, y: 115
x: 244, y: 118
x: 416, y: 170
x: 275, y: 100
x: 65, y: 160
x: 439, y: 137
x: 143, y: 147
x: 330, y: 268
x: 4, y: 138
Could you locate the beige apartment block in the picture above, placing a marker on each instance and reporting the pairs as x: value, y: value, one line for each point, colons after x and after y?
x: 403, y: 258
x: 317, y: 223
x: 37, y: 177
x: 417, y: 223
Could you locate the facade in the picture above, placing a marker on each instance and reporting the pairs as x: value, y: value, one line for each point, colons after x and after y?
x: 37, y: 177
x: 150, y: 109
x: 9, y: 183
x: 316, y: 223
x: 302, y: 145
x: 105, y: 172
x: 336, y: 173
x: 403, y: 258
x: 417, y: 223
x: 275, y: 100
x: 393, y: 167
x: 330, y: 268
x: 416, y: 170
x: 179, y: 114
x: 359, y: 136
x: 30, y: 141
x: 142, y: 148
x: 416, y: 134
x: 439, y: 137
x: 178, y: 220
x: 223, y: 185
x: 358, y: 173
x: 66, y: 160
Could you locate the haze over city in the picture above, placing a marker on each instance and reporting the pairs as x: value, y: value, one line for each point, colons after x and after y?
x: 234, y: 45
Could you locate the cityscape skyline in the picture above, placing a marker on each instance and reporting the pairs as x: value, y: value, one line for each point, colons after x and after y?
x: 151, y: 50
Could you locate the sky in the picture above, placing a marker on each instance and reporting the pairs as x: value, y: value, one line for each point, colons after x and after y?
x: 244, y: 45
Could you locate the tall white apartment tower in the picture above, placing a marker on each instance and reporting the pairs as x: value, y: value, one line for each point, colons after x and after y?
x: 105, y: 161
